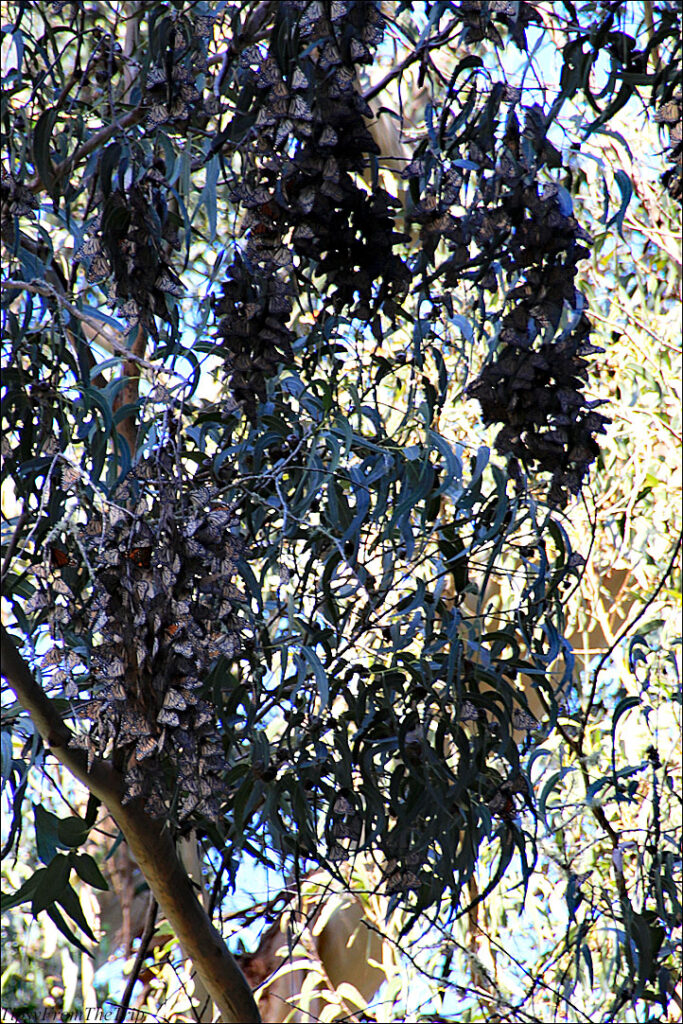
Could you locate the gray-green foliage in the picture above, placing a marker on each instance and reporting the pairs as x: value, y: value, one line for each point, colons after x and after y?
x: 315, y: 611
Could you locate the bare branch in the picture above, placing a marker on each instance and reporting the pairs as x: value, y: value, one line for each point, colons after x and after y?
x: 146, y: 938
x: 95, y: 331
x: 93, y: 143
x: 415, y: 55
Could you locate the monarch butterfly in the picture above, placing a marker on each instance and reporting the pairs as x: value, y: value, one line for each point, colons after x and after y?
x: 168, y: 717
x: 131, y: 311
x: 508, y: 811
x: 359, y: 52
x: 261, y: 229
x: 60, y: 559
x: 157, y: 76
x: 144, y: 747
x: 328, y: 137
x: 193, y: 549
x: 141, y: 556
x: 155, y: 805
x: 166, y: 283
x: 134, y: 788
x: 91, y: 247
x: 299, y: 80
x: 175, y: 701
x: 97, y: 269
x: 219, y: 515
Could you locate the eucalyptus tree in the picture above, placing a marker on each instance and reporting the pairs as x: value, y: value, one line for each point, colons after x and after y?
x: 297, y: 393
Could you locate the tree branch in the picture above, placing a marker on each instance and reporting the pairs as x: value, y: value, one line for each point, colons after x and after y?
x: 102, y: 780
x: 415, y: 55
x: 129, y: 393
x: 150, y: 842
x: 145, y: 939
x: 95, y: 332
x: 623, y: 632
x: 93, y: 143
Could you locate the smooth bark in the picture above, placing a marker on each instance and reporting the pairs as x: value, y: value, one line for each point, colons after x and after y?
x: 151, y: 844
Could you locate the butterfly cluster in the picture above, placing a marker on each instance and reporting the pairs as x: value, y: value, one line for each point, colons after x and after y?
x: 478, y: 20
x: 130, y: 240
x: 401, y: 873
x: 173, y: 94
x: 16, y: 200
x: 179, y: 60
x: 304, y: 205
x: 344, y: 826
x: 253, y: 315
x: 162, y: 609
x: 669, y: 115
x: 520, y: 232
x: 534, y: 386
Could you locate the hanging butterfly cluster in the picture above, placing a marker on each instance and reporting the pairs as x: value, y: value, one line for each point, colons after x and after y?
x: 173, y: 93
x: 163, y: 609
x: 254, y: 311
x: 135, y: 231
x: 534, y: 384
x: 171, y: 84
x: 299, y: 190
x: 16, y: 200
x: 402, y: 873
x: 669, y: 114
x: 130, y: 239
x: 478, y: 19
x: 344, y: 826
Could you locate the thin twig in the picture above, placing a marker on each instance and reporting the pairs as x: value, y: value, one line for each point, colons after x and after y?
x: 12, y: 546
x: 624, y: 632
x: 145, y: 939
x: 416, y: 55
x: 108, y: 339
x: 93, y: 143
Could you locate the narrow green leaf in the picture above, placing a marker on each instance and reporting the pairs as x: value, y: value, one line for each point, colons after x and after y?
x: 41, y: 147
x: 91, y: 811
x: 47, y: 833
x: 626, y: 188
x: 51, y: 884
x: 209, y: 195
x: 55, y: 916
x: 549, y: 787
x: 86, y: 868
x: 68, y: 900
x: 588, y: 958
x: 5, y: 756
x: 622, y: 707
x: 26, y: 892
x: 320, y: 674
